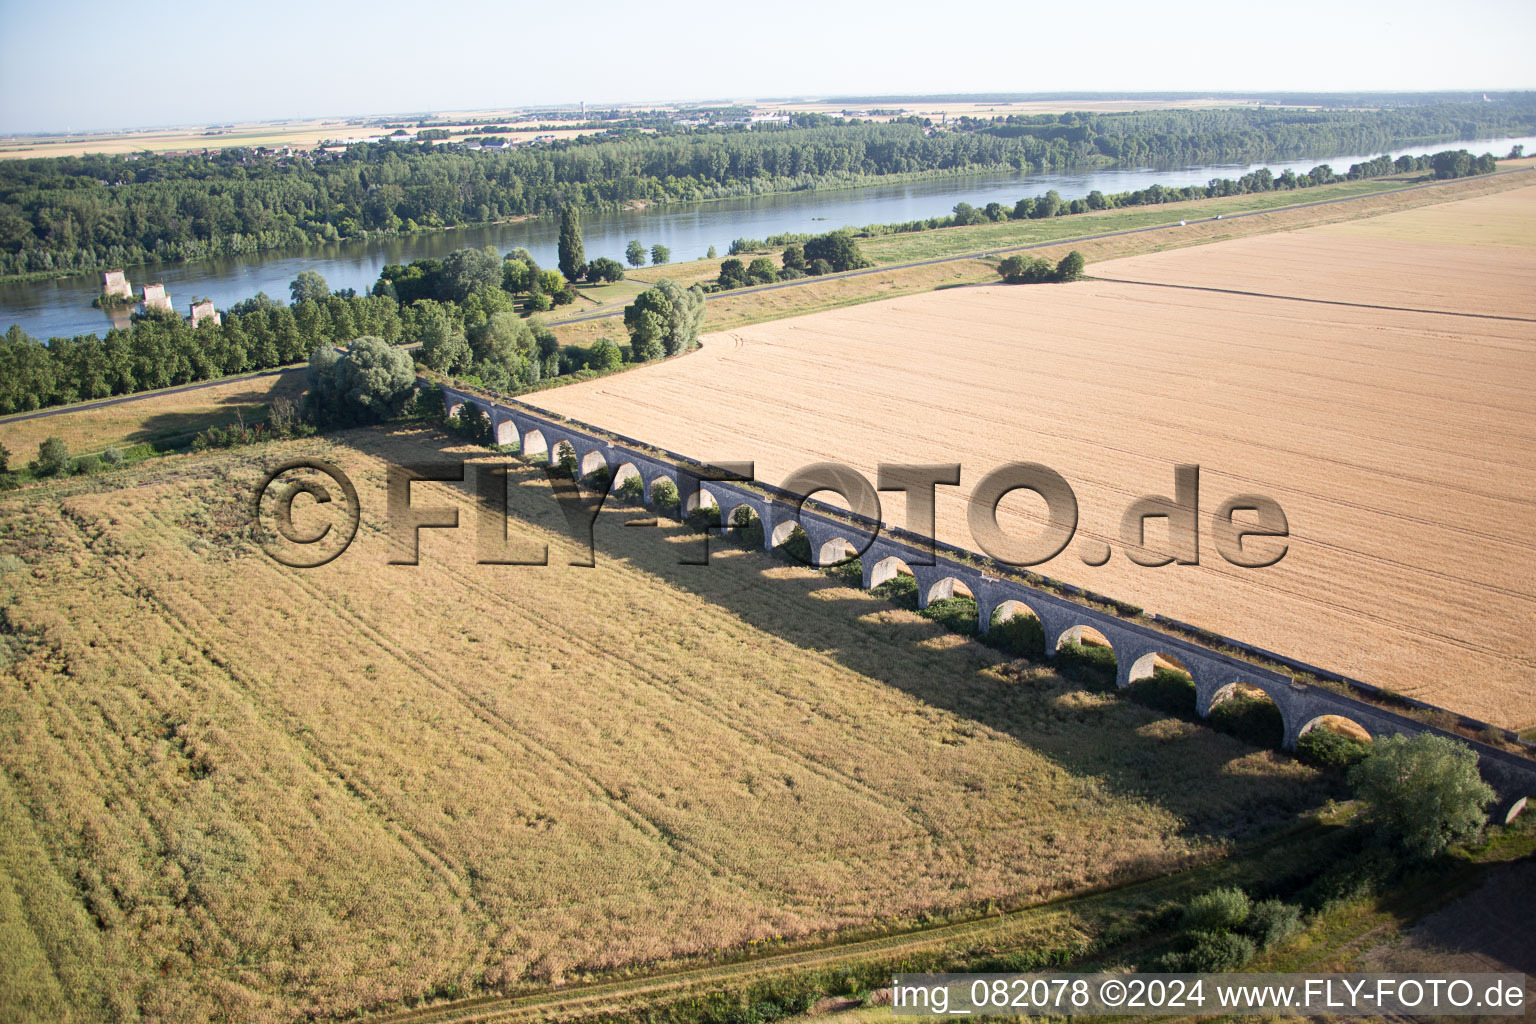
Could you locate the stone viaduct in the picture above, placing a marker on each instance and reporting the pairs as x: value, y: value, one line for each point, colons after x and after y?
x: 942, y: 571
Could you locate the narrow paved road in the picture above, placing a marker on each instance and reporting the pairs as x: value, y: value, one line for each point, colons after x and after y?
x: 618, y: 310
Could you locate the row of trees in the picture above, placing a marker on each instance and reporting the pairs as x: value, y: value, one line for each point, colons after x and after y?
x: 81, y: 213
x: 1034, y: 270
x: 831, y: 253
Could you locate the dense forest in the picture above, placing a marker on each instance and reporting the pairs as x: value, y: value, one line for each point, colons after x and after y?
x: 93, y: 212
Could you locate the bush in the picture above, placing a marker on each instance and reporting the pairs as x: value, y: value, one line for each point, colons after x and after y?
x: 747, y: 527
x: 1255, y: 720
x: 52, y: 457
x: 1019, y: 635
x: 112, y: 457
x: 1210, y: 952
x: 664, y: 495
x: 88, y: 464
x: 1423, y: 791
x: 1087, y: 663
x: 1330, y: 749
x: 1167, y: 691
x: 1223, y: 909
x: 1071, y: 266
x: 1272, y: 922
x: 631, y: 491
x: 816, y: 268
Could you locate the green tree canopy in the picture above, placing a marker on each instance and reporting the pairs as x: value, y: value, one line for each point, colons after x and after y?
x: 309, y: 285
x: 1425, y: 791
x: 368, y: 382
x: 573, y: 257
x: 635, y: 253
x: 467, y: 271
x: 660, y: 254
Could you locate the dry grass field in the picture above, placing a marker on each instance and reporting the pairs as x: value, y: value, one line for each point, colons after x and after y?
x: 1399, y: 443
x: 232, y: 790
x: 156, y: 417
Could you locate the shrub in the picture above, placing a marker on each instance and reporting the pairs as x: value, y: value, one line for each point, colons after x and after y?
x: 632, y: 490
x: 1253, y: 719
x: 1222, y: 909
x: 1167, y: 691
x: 1087, y: 663
x: 1019, y: 635
x: 1330, y: 749
x: 704, y: 517
x: 88, y: 464
x: 957, y: 614
x: 1423, y: 791
x: 664, y: 495
x: 797, y: 546
x: 1217, y: 951
x: 112, y: 457
x: 5, y: 459
x: 1071, y: 266
x: 1272, y: 922
x: 52, y: 457
x: 818, y: 267
x: 747, y: 527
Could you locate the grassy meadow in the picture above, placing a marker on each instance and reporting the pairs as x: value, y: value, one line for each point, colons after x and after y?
x: 236, y: 790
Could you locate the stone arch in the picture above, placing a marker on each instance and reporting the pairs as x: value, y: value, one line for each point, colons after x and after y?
x: 626, y: 471
x: 560, y: 449
x: 593, y: 461
x: 835, y: 551
x: 742, y: 517
x: 1082, y: 633
x: 535, y: 444
x: 506, y: 431
x: 782, y: 531
x: 455, y: 406
x: 702, y: 498
x: 945, y: 587
x: 1020, y: 630
x: 887, y: 569
x: 1341, y: 724
x: 1146, y: 666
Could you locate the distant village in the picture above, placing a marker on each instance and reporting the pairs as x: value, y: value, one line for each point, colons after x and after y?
x: 153, y: 299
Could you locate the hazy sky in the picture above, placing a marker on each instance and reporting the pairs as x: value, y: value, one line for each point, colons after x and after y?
x: 78, y: 65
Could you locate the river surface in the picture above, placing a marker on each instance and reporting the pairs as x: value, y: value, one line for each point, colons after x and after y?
x: 62, y: 307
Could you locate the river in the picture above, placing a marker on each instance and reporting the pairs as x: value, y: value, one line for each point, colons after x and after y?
x: 62, y: 307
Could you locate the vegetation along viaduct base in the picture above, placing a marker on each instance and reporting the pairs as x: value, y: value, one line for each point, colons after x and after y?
x: 940, y: 570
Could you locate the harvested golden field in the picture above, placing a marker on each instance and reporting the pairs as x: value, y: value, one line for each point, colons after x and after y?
x: 1399, y: 443
x: 236, y: 790
x: 155, y: 417
x: 1475, y: 255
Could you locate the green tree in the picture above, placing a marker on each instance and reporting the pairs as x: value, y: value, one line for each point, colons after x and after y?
x: 606, y: 270
x: 762, y: 270
x: 368, y: 382
x: 5, y: 459
x: 573, y: 257
x: 648, y: 319
x: 308, y: 285
x: 467, y: 271
x: 794, y: 258
x: 1071, y: 266
x: 1424, y: 791
x: 660, y: 254
x: 733, y: 274
x: 712, y: 255
x: 635, y: 253
x: 839, y: 250
x: 52, y: 457
x: 1048, y: 205
x: 605, y: 355
x: 515, y: 276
